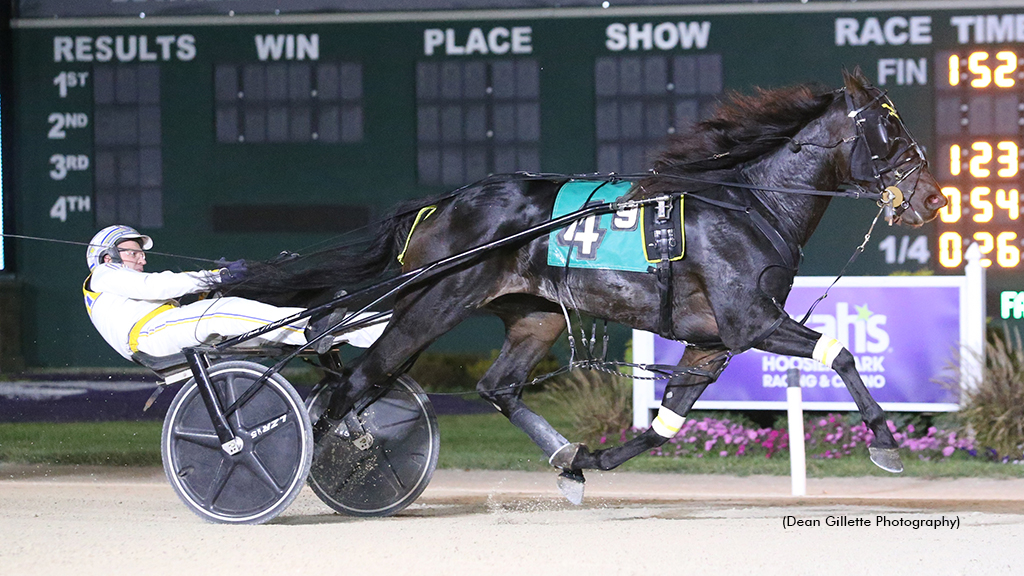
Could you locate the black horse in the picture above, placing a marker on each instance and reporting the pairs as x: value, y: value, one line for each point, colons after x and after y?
x: 746, y: 174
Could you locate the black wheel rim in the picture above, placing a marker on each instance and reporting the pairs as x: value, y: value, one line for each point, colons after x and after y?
x: 243, y: 486
x: 394, y: 470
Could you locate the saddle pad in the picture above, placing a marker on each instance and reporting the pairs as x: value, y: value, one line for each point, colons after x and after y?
x: 607, y: 241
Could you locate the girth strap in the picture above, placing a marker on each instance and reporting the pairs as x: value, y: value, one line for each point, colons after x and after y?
x: 773, y: 236
x: 664, y: 239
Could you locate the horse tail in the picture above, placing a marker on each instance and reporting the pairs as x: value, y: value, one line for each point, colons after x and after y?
x: 332, y: 269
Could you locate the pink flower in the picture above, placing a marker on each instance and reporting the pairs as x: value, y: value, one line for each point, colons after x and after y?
x: 948, y: 451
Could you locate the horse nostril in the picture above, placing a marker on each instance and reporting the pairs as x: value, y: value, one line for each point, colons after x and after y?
x: 937, y: 201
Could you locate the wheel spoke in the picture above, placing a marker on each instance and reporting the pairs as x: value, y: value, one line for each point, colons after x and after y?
x: 220, y: 480
x: 402, y: 404
x: 205, y: 439
x: 337, y: 476
x: 234, y: 418
x: 253, y: 463
x: 390, y: 476
x: 394, y: 423
x: 250, y: 392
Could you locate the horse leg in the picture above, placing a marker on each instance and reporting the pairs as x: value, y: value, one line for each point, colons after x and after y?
x: 528, y: 337
x: 794, y: 339
x: 682, y: 391
x: 415, y: 323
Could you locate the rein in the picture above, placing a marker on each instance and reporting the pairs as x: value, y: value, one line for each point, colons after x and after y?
x: 74, y: 243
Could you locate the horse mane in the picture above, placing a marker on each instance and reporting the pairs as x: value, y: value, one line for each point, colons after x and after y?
x: 744, y: 127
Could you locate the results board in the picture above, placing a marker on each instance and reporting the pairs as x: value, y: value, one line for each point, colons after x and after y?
x: 243, y: 136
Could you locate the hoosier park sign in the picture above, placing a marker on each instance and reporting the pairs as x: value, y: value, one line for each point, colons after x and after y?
x: 905, y: 332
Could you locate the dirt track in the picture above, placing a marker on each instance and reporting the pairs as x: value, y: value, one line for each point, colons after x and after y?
x: 101, y: 521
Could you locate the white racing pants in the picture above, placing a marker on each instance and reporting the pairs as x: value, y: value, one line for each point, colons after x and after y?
x: 210, y: 321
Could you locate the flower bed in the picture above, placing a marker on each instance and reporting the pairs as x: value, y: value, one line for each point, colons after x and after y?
x: 828, y: 436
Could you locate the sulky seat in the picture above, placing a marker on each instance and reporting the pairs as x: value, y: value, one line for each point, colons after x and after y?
x: 171, y: 369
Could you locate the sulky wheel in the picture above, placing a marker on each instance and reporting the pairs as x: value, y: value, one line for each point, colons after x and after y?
x: 380, y: 464
x: 262, y: 479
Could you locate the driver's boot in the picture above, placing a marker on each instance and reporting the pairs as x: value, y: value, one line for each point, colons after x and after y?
x: 320, y: 324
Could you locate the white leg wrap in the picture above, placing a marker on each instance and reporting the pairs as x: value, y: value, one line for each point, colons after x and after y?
x: 826, y: 350
x: 667, y: 423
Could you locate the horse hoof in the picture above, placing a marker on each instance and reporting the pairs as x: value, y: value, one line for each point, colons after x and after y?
x: 570, y: 484
x: 887, y: 459
x: 563, y: 457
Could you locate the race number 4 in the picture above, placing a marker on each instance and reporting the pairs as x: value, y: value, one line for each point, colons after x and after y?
x: 66, y: 204
x: 585, y: 234
x: 64, y: 163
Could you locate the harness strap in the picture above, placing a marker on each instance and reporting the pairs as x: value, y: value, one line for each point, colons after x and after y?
x: 664, y: 282
x: 133, y: 335
x: 763, y: 225
x: 422, y: 215
x: 663, y: 237
x: 773, y: 236
x: 764, y: 335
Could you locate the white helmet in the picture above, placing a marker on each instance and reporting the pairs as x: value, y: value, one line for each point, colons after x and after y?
x: 105, y: 242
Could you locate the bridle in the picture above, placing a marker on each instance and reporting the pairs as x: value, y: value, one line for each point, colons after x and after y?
x: 883, y: 147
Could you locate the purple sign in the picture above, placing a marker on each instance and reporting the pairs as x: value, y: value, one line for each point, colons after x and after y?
x: 902, y: 331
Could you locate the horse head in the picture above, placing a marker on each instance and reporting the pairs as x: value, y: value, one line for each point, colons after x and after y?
x: 886, y: 157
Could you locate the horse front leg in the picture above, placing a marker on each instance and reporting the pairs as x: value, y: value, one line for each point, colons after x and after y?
x: 794, y: 339
x: 683, y: 389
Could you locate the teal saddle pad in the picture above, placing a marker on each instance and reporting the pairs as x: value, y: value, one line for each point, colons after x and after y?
x: 612, y: 241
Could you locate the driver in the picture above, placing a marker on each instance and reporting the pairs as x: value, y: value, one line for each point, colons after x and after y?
x: 137, y: 311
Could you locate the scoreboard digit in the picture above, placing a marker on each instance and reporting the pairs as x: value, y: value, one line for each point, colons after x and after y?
x: 979, y: 122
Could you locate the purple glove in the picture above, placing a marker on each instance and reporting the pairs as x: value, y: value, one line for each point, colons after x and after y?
x: 232, y: 272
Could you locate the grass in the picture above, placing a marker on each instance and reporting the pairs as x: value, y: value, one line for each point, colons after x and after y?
x: 478, y: 441
x: 92, y: 443
x: 488, y: 441
x: 995, y: 403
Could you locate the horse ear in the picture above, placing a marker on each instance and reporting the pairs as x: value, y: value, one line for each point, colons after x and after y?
x: 855, y: 81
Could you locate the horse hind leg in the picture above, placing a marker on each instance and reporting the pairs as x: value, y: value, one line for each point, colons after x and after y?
x: 794, y: 339
x: 417, y: 320
x: 529, y: 336
x: 682, y: 391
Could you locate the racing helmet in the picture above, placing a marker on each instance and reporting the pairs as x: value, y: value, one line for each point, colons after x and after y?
x: 105, y: 242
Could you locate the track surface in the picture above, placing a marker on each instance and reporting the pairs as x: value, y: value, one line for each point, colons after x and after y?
x: 84, y: 521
